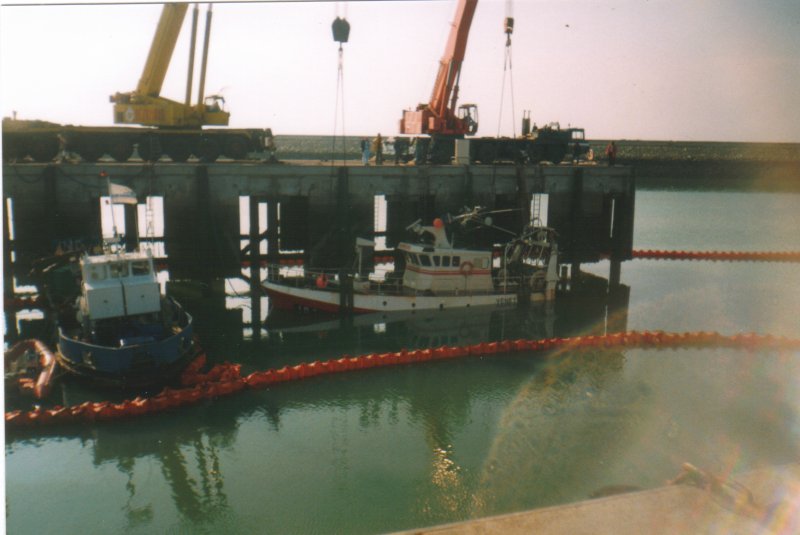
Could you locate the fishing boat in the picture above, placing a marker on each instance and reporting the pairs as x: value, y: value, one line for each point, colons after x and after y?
x: 113, y: 324
x: 431, y: 273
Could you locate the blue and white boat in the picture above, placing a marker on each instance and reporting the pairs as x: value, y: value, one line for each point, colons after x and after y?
x: 120, y: 330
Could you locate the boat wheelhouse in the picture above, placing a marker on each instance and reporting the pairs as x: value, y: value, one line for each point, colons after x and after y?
x: 120, y: 329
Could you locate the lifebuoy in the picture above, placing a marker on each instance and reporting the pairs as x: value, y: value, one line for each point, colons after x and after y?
x: 466, y: 268
x: 322, y: 281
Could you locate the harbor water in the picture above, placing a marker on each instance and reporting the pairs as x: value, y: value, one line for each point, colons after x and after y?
x: 396, y: 448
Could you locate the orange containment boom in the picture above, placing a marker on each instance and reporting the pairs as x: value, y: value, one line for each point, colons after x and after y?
x: 225, y: 379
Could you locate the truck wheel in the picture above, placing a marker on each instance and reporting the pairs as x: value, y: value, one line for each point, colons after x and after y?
x: 535, y: 154
x: 150, y: 148
x: 43, y: 148
x: 487, y: 153
x: 12, y: 149
x: 120, y: 149
x: 178, y: 149
x: 236, y: 148
x: 555, y: 154
x: 208, y: 150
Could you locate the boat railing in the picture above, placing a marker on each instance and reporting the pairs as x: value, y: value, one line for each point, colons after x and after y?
x: 299, y: 276
x: 331, y: 279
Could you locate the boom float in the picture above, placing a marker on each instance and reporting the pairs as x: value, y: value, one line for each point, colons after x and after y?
x: 226, y: 379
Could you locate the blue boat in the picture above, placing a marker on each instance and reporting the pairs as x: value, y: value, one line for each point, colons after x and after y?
x: 119, y: 330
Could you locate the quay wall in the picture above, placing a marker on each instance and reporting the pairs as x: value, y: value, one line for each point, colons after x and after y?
x: 314, y: 208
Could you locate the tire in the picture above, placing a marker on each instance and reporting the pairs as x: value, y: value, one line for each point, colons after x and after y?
x: 236, y: 148
x: 43, y: 148
x: 150, y: 148
x: 178, y: 149
x: 208, y: 150
x: 120, y: 148
x: 89, y: 149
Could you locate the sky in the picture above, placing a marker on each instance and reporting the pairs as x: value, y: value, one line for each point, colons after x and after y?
x: 694, y: 70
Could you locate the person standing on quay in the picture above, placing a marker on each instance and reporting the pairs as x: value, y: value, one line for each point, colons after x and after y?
x: 611, y: 153
x: 364, y: 151
x: 378, y: 150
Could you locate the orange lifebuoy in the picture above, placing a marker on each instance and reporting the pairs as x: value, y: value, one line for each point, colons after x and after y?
x: 322, y: 281
x: 466, y: 268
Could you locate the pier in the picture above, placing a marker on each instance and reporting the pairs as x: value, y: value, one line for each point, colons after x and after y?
x: 313, y: 212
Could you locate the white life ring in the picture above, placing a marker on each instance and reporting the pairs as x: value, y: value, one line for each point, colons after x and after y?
x: 129, y: 115
x: 466, y: 268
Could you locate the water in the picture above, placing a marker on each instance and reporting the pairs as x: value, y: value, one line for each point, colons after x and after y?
x: 413, y: 446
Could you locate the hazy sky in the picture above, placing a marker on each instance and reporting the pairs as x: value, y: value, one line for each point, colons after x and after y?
x: 724, y: 70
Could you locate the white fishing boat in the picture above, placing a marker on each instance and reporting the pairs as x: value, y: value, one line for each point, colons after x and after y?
x: 431, y: 273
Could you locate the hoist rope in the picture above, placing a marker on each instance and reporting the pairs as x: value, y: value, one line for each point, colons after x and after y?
x: 507, y: 68
x: 339, y: 107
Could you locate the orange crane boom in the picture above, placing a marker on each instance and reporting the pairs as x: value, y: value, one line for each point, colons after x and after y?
x: 439, y: 116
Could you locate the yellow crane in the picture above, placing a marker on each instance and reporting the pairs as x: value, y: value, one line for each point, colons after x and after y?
x: 146, y: 106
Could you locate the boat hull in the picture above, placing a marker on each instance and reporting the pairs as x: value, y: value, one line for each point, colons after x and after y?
x: 135, y: 365
x: 287, y: 297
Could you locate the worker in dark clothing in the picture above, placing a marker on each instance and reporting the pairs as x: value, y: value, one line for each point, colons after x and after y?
x: 364, y: 151
x: 611, y: 153
x: 400, y: 149
x: 378, y: 148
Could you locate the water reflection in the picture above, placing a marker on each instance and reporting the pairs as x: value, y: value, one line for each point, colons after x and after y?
x: 453, y: 405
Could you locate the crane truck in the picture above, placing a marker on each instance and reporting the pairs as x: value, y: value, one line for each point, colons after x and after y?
x: 440, y: 122
x: 166, y: 127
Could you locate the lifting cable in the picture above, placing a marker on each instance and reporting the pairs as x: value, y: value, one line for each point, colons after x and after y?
x: 508, y: 27
x: 226, y: 378
x: 341, y: 33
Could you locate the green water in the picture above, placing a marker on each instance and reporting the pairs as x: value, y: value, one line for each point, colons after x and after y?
x: 390, y: 449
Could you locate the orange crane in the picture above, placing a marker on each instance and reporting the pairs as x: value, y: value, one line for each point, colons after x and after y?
x: 439, y: 117
x: 442, y: 123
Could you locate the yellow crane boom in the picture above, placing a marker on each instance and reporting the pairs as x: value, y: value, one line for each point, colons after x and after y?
x: 145, y: 106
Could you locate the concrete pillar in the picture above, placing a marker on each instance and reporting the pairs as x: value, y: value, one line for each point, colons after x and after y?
x: 8, y: 276
x: 255, y: 269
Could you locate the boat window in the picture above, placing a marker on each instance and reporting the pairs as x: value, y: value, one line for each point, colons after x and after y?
x: 456, y: 260
x: 118, y: 269
x: 97, y: 273
x: 140, y: 267
x: 446, y: 261
x: 425, y: 260
x: 437, y: 261
x: 413, y: 259
x: 484, y: 263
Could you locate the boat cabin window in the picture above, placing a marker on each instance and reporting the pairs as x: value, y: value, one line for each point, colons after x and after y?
x: 425, y: 260
x: 446, y: 261
x: 484, y: 263
x: 412, y: 258
x: 456, y: 261
x: 437, y: 261
x: 97, y: 273
x: 140, y: 267
x: 118, y: 270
